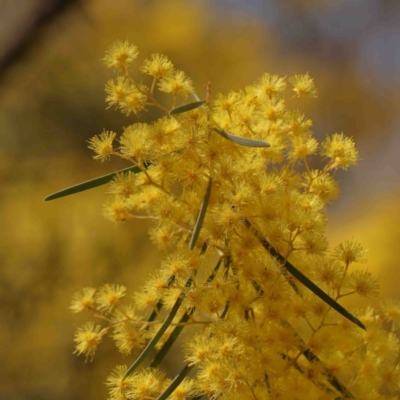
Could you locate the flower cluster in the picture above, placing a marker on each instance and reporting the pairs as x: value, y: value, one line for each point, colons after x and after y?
x: 228, y: 181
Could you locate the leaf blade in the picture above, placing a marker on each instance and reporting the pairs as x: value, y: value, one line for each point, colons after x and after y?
x: 187, y: 368
x: 303, y: 279
x: 176, y: 382
x: 165, y: 325
x: 187, y: 107
x: 241, y: 140
x: 90, y: 184
x: 178, y: 329
x: 200, y: 217
x: 171, y: 340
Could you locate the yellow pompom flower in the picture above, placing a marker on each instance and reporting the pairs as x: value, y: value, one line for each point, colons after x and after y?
x: 363, y: 283
x: 118, y: 386
x: 274, y: 110
x: 134, y: 102
x: 302, y: 148
x: 324, y: 186
x: 341, y: 150
x: 120, y: 54
x: 127, y: 337
x: 147, y: 384
x: 117, y: 90
x: 349, y: 252
x: 102, y: 145
x: 108, y: 296
x: 299, y: 125
x: 303, y: 86
x: 391, y: 312
x: 270, y: 85
x: 83, y: 300
x: 117, y: 210
x: 123, y: 185
x: 87, y: 339
x: 158, y: 66
x: 135, y: 142
x: 177, y: 84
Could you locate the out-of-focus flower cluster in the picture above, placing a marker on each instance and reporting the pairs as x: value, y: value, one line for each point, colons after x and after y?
x: 258, y: 338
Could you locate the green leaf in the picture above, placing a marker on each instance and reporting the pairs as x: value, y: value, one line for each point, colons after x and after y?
x: 165, y: 325
x: 241, y: 140
x: 224, y: 311
x: 331, y: 378
x: 200, y: 217
x: 81, y: 187
x: 187, y: 107
x: 171, y: 340
x: 178, y: 329
x: 176, y: 382
x: 185, y: 371
x: 303, y: 279
x: 153, y: 314
x: 214, y: 272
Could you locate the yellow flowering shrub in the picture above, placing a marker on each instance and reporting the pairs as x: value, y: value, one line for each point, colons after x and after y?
x: 242, y: 215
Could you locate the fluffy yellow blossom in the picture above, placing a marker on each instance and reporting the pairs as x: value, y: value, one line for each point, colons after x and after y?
x: 118, y: 90
x: 127, y: 337
x: 117, y: 210
x: 125, y: 95
x: 135, y: 142
x: 108, y: 296
x: 118, y: 386
x: 226, y: 103
x: 323, y: 185
x: 157, y: 66
x: 123, y: 185
x: 303, y: 148
x: 328, y: 271
x: 147, y: 385
x: 83, y: 300
x: 120, y: 54
x: 87, y: 339
x: 303, y: 86
x: 389, y: 377
x: 349, y: 252
x: 177, y: 84
x: 363, y: 283
x: 274, y: 111
x: 102, y: 145
x: 299, y: 125
x: 391, y: 312
x: 341, y: 150
x: 270, y: 85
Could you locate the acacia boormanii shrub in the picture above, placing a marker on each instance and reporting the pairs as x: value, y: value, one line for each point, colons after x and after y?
x: 233, y: 200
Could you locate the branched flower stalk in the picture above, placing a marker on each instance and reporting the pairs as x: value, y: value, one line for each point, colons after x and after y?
x: 248, y: 262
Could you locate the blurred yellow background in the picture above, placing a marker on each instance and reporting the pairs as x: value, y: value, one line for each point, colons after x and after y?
x: 52, y: 102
